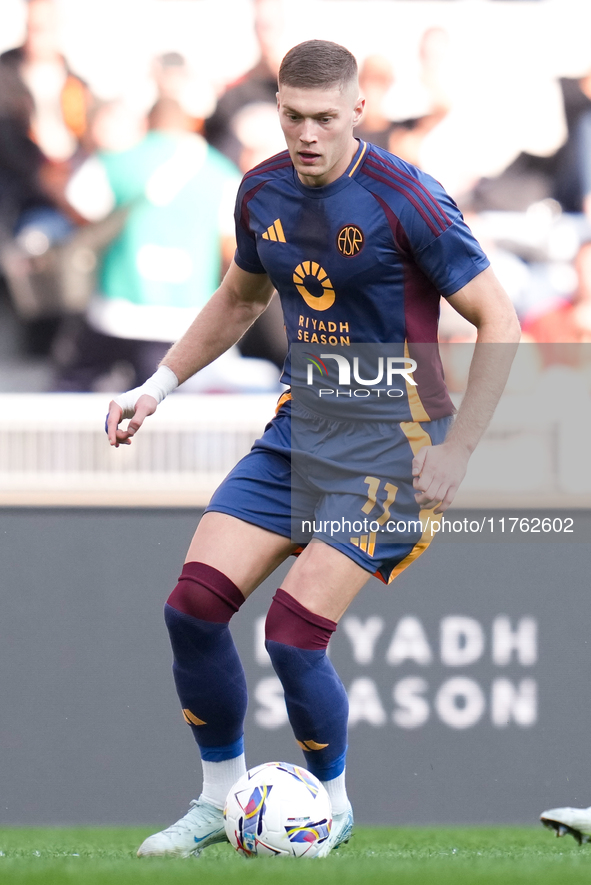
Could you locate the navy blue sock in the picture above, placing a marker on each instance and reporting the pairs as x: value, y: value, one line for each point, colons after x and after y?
x: 207, y: 670
x: 317, y: 706
x: 315, y: 697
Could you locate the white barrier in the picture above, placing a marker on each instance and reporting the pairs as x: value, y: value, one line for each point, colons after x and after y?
x: 54, y: 452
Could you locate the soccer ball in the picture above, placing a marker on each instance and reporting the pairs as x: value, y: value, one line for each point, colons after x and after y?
x: 278, y: 809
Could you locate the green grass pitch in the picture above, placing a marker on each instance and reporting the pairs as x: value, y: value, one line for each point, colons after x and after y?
x: 402, y: 856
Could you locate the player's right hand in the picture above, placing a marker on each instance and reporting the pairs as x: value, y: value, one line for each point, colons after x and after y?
x: 145, y: 405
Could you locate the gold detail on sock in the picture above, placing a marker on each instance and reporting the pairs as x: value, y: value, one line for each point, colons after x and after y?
x: 191, y: 719
x: 310, y: 745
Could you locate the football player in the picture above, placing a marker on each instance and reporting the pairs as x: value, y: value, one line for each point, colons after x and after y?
x: 361, y: 246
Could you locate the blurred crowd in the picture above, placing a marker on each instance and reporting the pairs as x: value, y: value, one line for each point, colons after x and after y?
x: 116, y: 222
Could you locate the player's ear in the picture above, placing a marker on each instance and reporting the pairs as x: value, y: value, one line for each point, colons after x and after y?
x: 358, y: 110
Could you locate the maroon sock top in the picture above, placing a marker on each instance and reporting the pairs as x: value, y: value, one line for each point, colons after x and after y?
x: 291, y: 623
x: 206, y: 593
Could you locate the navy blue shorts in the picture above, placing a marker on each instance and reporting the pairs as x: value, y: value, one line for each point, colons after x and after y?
x: 348, y: 484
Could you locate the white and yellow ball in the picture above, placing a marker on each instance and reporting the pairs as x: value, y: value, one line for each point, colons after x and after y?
x: 278, y: 809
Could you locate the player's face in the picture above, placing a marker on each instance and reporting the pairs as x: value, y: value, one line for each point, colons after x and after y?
x: 318, y: 128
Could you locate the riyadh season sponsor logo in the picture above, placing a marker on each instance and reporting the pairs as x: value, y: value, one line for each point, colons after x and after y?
x: 430, y: 679
x: 389, y: 370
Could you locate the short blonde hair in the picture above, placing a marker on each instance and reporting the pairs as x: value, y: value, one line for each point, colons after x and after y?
x: 317, y: 64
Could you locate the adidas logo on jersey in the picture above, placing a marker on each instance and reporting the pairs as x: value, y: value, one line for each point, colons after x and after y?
x: 275, y: 232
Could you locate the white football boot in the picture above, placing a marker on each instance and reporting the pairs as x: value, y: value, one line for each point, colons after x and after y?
x: 340, y: 832
x: 573, y: 821
x: 202, y: 825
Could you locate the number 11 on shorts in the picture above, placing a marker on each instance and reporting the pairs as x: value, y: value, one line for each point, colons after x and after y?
x: 373, y: 487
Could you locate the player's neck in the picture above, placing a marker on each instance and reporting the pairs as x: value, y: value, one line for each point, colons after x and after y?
x: 335, y: 172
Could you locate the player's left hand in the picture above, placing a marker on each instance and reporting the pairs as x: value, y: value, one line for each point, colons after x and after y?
x: 437, y: 473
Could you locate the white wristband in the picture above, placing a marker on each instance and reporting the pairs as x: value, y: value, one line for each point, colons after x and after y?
x: 162, y: 382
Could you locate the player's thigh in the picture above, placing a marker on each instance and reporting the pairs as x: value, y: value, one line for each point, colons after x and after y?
x: 245, y: 553
x: 324, y: 580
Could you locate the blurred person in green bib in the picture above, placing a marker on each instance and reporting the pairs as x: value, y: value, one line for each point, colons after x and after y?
x: 176, y: 240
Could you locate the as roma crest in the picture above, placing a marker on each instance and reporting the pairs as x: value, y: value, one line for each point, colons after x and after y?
x: 350, y: 240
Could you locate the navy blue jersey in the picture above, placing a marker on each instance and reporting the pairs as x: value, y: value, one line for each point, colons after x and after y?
x: 364, y: 259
